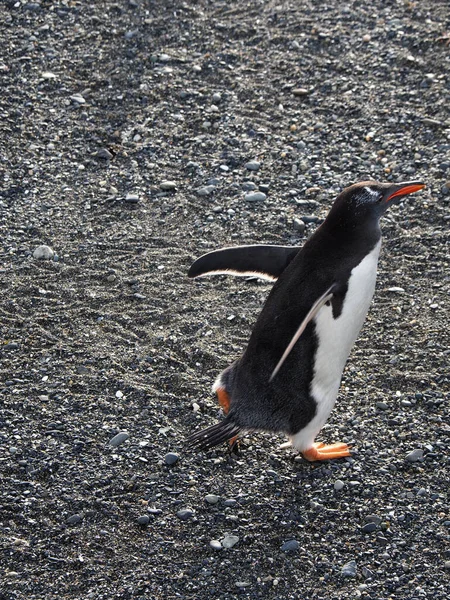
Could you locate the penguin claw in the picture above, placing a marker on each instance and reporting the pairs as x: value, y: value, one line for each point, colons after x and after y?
x: 320, y: 451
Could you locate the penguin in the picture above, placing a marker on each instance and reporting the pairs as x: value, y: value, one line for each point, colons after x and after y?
x: 288, y: 377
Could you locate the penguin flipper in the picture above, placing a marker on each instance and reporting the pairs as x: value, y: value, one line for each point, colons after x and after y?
x: 265, y: 261
x: 323, y: 299
x: 214, y: 435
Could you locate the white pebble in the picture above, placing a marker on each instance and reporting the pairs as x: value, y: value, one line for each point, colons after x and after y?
x: 43, y: 253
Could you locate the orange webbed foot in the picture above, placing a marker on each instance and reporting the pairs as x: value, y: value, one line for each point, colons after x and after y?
x: 320, y: 451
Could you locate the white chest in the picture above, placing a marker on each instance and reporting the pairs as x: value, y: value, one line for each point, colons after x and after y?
x: 335, y: 340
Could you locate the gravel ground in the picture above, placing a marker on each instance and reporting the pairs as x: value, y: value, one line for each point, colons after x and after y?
x: 126, y: 132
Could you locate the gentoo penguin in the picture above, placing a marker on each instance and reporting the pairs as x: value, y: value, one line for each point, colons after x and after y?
x: 288, y: 378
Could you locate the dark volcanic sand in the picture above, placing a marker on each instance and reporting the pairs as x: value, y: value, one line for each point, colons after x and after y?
x: 103, y: 100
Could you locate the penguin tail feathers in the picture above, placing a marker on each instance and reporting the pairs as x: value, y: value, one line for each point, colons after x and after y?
x: 214, y: 435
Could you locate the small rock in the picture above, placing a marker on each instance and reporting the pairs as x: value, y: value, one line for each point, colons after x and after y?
x: 252, y: 165
x: 43, y: 253
x: 242, y: 584
x: 143, y: 520
x: 255, y: 197
x: 447, y: 564
x: 382, y: 405
x: 211, y: 499
x: 74, y: 519
x: 415, y: 455
x: 132, y: 198
x: 48, y: 75
x: 299, y: 226
x: 185, y: 514
x: 349, y: 569
x: 229, y: 541
x: 249, y: 186
x: 215, y: 545
x: 230, y: 502
x: 369, y: 527
x: 205, y: 190
x: 171, y: 458
x: 168, y: 185
x: 338, y: 485
x: 78, y: 99
x: 373, y: 519
x: 310, y: 219
x: 290, y: 546
x: 104, y: 153
x: 119, y: 439
x: 216, y: 98
x: 300, y: 92
x: 366, y: 38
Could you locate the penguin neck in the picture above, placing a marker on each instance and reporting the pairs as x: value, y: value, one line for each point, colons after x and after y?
x: 351, y: 230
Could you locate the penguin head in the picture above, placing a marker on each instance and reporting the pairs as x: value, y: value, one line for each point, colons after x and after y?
x: 367, y: 201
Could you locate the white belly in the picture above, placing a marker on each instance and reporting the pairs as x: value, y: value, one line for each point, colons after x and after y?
x: 335, y: 340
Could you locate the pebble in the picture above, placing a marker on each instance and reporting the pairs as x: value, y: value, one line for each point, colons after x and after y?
x: 369, y: 527
x: 447, y: 564
x: 43, y: 253
x: 143, y: 520
x: 310, y: 219
x: 300, y: 92
x: 215, y: 545
x: 299, y: 226
x: 78, y: 99
x: 74, y: 519
x: 132, y: 198
x: 255, y: 197
x: 373, y: 519
x: 230, y: 502
x: 118, y: 439
x: 216, y: 97
x: 229, y: 541
x: 104, y: 153
x: 366, y: 38
x: 242, y: 584
x: 338, y: 485
x: 252, y: 165
x: 48, y: 75
x: 211, y: 499
x: 205, y: 190
x: 185, y: 513
x: 349, y: 569
x: 382, y: 405
x: 249, y: 186
x: 168, y: 185
x: 171, y: 458
x: 415, y: 455
x: 290, y: 546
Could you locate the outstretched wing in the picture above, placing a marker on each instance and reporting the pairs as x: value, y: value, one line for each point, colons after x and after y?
x: 267, y: 262
x: 323, y: 299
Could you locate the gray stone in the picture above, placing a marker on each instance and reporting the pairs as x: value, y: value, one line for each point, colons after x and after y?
x: 382, y: 405
x: 185, y: 514
x: 205, y: 190
x: 78, y: 99
x: 300, y: 92
x: 171, y: 458
x: 349, y: 569
x: 290, y: 546
x: 369, y: 527
x: 299, y: 226
x: 118, y: 439
x: 132, y: 198
x: 43, y: 253
x: 229, y: 541
x: 104, y: 153
x: 252, y: 165
x: 249, y: 186
x: 310, y: 219
x: 74, y: 519
x: 415, y: 455
x: 168, y: 185
x: 373, y: 519
x: 211, y: 499
x: 230, y: 502
x: 143, y: 520
x: 338, y: 485
x: 215, y: 545
x: 255, y: 197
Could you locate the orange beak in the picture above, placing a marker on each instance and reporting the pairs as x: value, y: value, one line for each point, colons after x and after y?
x: 403, y: 189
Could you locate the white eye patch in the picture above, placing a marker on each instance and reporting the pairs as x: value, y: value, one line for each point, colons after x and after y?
x: 367, y: 196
